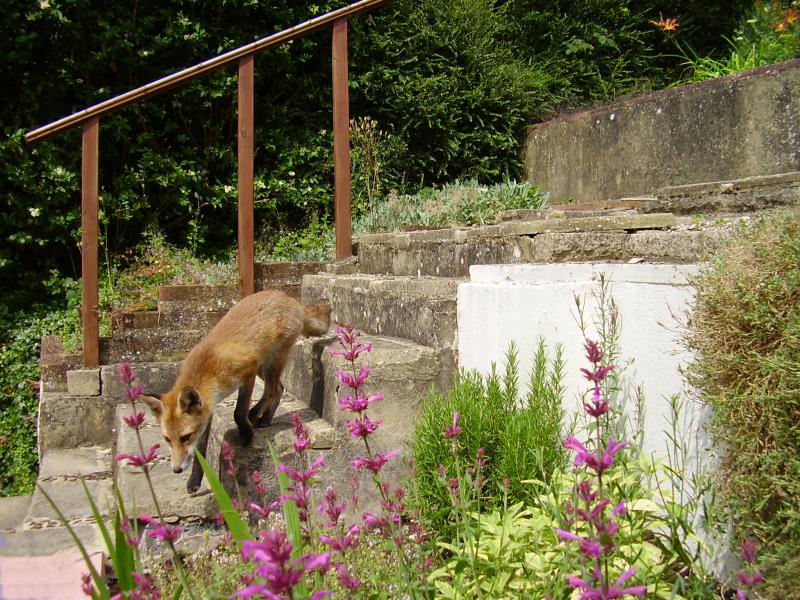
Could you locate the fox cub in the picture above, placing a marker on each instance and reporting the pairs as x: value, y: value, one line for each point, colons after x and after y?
x: 254, y: 337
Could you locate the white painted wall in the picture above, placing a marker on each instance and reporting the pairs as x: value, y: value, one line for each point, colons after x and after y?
x: 523, y: 302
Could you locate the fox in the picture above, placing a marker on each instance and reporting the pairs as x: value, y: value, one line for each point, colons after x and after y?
x: 253, y: 338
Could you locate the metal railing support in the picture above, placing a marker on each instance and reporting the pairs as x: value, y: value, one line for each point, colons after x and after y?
x: 341, y: 142
x: 90, y: 147
x: 246, y: 138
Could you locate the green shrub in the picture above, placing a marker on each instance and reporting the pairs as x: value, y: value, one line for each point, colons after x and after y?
x: 746, y: 331
x: 19, y: 378
x: 496, y: 417
x: 766, y: 34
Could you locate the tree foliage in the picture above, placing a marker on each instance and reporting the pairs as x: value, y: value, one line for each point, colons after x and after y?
x: 454, y: 83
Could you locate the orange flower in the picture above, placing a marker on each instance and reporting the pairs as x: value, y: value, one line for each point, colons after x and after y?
x: 669, y: 24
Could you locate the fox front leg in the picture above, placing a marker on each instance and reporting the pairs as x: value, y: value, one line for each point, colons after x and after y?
x: 196, y: 478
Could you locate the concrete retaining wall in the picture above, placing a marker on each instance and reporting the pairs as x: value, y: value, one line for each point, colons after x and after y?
x: 738, y: 126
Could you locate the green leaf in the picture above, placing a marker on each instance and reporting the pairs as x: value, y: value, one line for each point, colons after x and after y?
x: 233, y: 519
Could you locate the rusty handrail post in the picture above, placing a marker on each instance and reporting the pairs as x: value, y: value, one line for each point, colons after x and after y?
x: 245, y: 176
x: 341, y: 142
x: 90, y: 145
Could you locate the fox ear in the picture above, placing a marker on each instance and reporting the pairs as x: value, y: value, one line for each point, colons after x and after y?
x: 154, y: 402
x: 190, y: 400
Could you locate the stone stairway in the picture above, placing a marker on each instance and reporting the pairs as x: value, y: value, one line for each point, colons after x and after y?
x: 401, y: 295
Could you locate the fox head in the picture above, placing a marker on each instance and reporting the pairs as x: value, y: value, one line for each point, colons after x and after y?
x: 183, y: 419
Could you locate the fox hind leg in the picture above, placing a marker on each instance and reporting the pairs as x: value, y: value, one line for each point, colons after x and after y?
x: 262, y: 413
x: 240, y: 413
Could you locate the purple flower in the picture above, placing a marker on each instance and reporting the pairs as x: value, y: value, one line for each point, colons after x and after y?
x: 594, y: 353
x: 87, y: 587
x: 133, y: 392
x: 362, y: 426
x: 591, y: 460
x: 226, y: 451
x: 331, y: 507
x: 126, y: 374
x: 374, y: 464
x: 272, y: 558
x: 615, y: 591
x: 162, y: 532
x: 140, y: 460
x: 346, y: 581
x: 358, y: 403
x: 351, y: 381
x: 596, y: 407
x: 352, y: 353
x: 134, y: 420
x: 598, y: 374
x: 452, y: 431
x: 749, y: 550
x: 588, y: 546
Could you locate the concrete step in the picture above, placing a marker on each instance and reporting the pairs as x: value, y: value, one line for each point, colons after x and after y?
x: 714, y: 198
x: 657, y: 237
x: 419, y: 309
x: 174, y: 501
x: 148, y: 345
x: 286, y: 276
x: 12, y: 513
x: 67, y: 422
x: 404, y: 371
x: 60, y: 475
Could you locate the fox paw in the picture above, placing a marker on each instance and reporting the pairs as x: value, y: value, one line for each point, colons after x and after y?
x: 246, y: 436
x: 192, y: 485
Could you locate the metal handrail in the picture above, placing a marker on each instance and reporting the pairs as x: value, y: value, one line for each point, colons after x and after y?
x: 186, y: 75
x: 89, y: 120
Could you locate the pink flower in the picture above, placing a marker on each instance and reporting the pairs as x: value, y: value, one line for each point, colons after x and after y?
x: 162, y: 533
x: 134, y: 392
x: 351, y: 381
x: 362, y: 426
x: 226, y: 451
x: 596, y: 407
x: 126, y: 374
x: 374, y: 464
x: 615, y: 591
x: 140, y: 460
x: 346, y: 581
x: 588, y: 546
x: 134, y: 420
x: 452, y: 431
x: 360, y: 402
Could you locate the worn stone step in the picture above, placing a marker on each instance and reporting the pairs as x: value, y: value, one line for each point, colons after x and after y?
x: 125, y: 320
x: 148, y: 345
x: 403, y: 371
x: 60, y: 474
x: 26, y: 544
x: 12, y: 513
x: 419, y: 309
x: 286, y: 276
x: 654, y: 237
x: 174, y: 501
x: 724, y: 197
x: 66, y: 421
x: 154, y: 377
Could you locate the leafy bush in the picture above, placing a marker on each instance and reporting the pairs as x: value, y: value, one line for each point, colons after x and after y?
x: 19, y: 378
x: 746, y: 331
x: 495, y: 417
x: 768, y: 33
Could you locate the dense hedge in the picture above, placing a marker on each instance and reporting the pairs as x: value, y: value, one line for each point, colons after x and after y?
x: 454, y: 82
